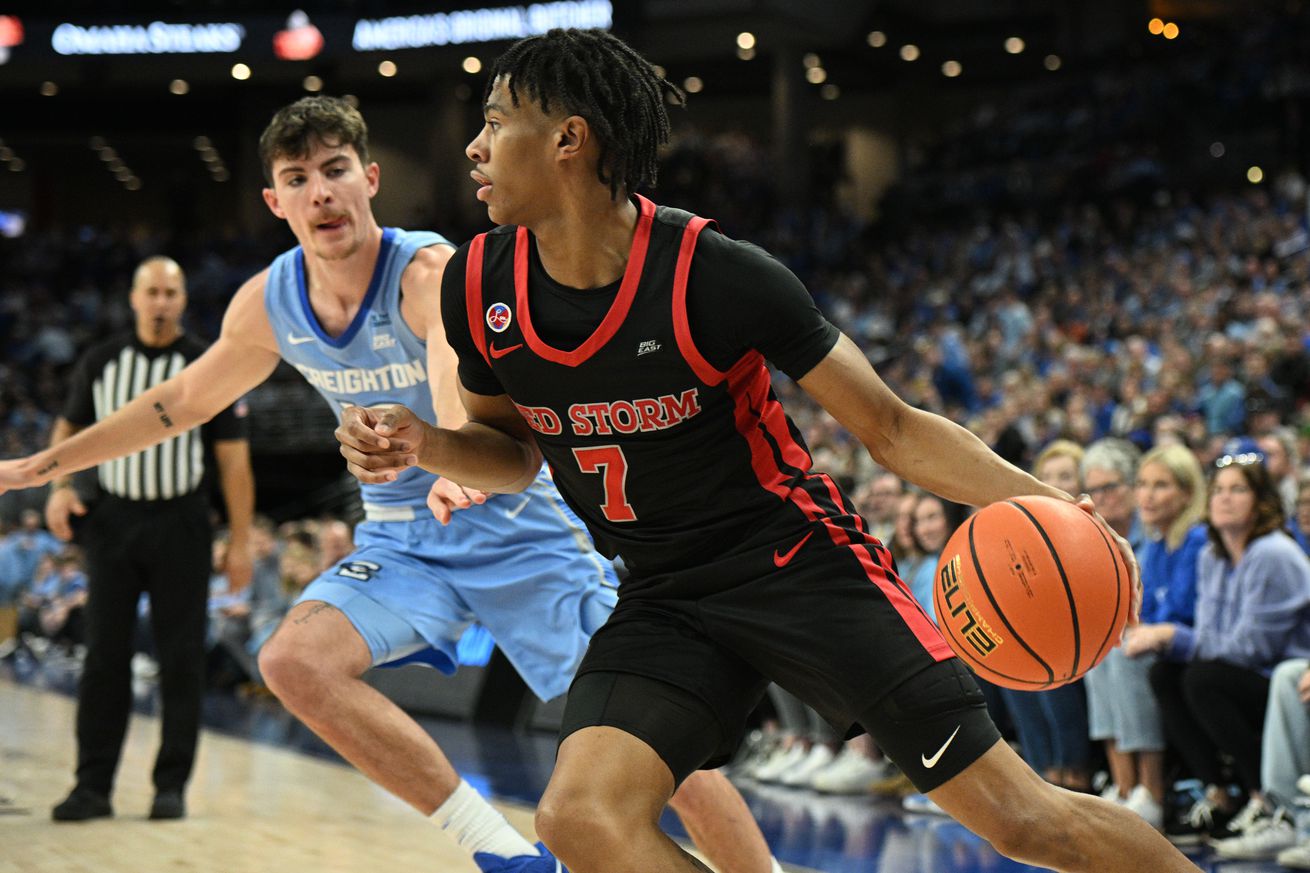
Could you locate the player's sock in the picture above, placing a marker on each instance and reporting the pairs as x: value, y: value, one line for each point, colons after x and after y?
x: 477, y: 826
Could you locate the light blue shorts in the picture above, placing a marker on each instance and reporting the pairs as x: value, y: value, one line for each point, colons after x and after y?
x: 1121, y: 705
x: 520, y: 565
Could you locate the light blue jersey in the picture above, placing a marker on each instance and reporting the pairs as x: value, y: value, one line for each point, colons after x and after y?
x: 521, y: 565
x: 377, y: 360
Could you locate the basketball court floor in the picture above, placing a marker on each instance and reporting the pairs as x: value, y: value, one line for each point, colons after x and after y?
x: 268, y: 795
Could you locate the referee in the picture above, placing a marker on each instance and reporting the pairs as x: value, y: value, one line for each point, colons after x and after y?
x: 148, y: 531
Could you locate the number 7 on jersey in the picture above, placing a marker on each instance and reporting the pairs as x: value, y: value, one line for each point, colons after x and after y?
x: 613, y: 466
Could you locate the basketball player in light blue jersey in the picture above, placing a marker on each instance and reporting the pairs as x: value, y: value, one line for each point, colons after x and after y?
x: 355, y: 309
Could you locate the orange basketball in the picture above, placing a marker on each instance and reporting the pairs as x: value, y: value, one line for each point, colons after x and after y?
x: 1032, y: 593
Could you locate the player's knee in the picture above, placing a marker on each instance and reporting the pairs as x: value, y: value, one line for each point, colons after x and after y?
x: 1029, y: 830
x: 290, y: 671
x: 578, y: 825
x: 1017, y: 836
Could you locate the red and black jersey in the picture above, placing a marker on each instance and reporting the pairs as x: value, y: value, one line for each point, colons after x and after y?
x: 651, y: 399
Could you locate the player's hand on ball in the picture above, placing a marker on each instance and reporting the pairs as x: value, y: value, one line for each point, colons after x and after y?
x: 379, y: 442
x: 446, y: 497
x: 1134, y: 615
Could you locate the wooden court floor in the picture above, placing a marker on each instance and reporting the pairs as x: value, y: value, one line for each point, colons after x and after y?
x: 251, y: 807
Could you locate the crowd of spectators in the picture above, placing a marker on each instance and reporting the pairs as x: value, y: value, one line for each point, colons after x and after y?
x: 43, y: 588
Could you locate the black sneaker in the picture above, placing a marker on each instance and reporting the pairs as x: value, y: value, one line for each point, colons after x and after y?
x: 168, y: 804
x: 1194, y: 824
x: 1237, y: 825
x: 82, y: 804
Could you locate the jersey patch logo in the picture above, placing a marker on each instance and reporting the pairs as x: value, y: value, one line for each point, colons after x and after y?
x: 383, y: 341
x: 360, y: 571
x: 498, y: 317
x: 648, y: 346
x: 497, y: 352
x: 298, y: 340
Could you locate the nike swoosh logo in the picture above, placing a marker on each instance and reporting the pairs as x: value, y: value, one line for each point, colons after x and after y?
x: 500, y: 353
x: 299, y: 340
x: 929, y: 763
x: 514, y: 513
x: 782, y: 559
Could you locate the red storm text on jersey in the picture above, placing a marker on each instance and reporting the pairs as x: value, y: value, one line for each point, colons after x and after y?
x: 616, y: 416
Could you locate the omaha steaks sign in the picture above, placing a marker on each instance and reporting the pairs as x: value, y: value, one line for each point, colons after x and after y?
x: 155, y: 38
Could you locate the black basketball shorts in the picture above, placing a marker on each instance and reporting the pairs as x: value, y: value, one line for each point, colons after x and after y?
x: 829, y: 621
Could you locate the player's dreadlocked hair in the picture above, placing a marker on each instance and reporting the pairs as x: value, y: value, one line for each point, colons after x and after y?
x: 595, y: 75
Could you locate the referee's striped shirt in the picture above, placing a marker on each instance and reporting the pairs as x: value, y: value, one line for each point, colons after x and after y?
x: 114, y: 372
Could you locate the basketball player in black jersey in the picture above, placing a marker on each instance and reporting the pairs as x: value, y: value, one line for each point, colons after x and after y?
x: 627, y: 343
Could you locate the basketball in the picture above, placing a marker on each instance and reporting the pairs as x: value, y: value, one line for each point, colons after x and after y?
x: 1032, y: 593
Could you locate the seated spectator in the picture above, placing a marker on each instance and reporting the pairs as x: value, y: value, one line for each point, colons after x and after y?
x: 52, y: 609
x: 1301, y: 530
x: 1281, y: 460
x: 934, y: 519
x: 904, y: 552
x: 1252, y: 611
x: 20, y: 553
x: 1121, y: 710
x: 1285, y: 752
x: 878, y: 502
x: 335, y: 542
x: 1052, y: 724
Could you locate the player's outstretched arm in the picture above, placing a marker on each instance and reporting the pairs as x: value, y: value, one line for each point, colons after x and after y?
x: 926, y: 449
x: 244, y: 356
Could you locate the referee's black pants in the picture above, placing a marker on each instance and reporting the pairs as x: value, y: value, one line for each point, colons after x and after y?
x: 162, y: 548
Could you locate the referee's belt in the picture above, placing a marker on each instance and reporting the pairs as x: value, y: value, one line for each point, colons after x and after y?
x: 376, y: 512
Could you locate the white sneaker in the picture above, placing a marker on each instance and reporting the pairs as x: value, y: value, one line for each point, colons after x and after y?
x: 1262, y: 839
x: 851, y: 773
x: 921, y: 803
x: 780, y: 762
x: 1297, y: 857
x: 1111, y: 793
x: 1245, y: 819
x: 820, y: 756
x: 1141, y: 802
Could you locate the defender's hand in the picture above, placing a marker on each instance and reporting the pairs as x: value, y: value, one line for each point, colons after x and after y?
x: 379, y: 442
x: 446, y: 497
x: 22, y: 473
x: 62, y: 503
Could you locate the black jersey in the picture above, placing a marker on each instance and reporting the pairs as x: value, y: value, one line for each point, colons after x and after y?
x: 659, y: 423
